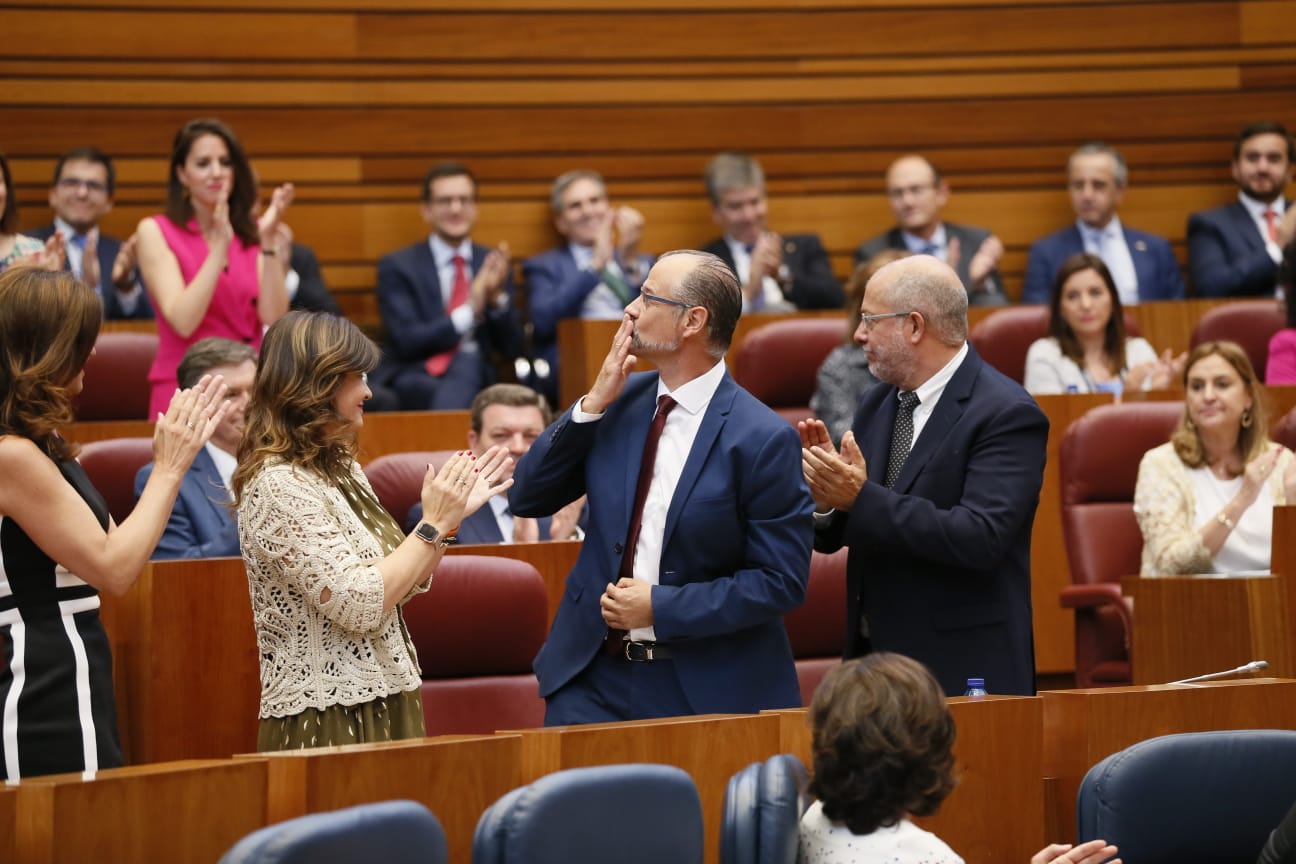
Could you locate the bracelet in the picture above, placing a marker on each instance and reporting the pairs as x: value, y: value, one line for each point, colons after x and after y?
x: 1222, y: 518
x: 269, y: 253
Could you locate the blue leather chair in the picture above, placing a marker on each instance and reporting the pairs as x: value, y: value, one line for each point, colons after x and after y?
x: 631, y: 814
x: 1195, y: 798
x: 763, y: 805
x: 393, y: 832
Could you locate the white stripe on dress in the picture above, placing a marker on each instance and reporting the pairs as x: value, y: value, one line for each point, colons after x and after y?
x: 18, y: 635
x: 89, y: 740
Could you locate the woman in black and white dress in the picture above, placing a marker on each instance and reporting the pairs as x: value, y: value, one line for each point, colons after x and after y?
x: 58, y: 546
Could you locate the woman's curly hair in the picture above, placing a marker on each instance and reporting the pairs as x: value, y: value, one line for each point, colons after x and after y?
x: 49, y: 322
x: 882, y: 742
x: 305, y: 359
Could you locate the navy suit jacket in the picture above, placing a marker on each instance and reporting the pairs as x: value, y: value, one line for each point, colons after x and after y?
x: 414, y: 314
x: 1155, y: 266
x: 940, y: 563
x: 735, y: 552
x: 200, y: 525
x: 312, y: 293
x: 480, y: 527
x: 107, y: 252
x: 970, y: 240
x: 812, y: 284
x: 1227, y: 255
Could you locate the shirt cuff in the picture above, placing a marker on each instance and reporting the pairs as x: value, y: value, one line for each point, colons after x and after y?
x: 291, y: 283
x: 579, y: 416
x: 462, y: 318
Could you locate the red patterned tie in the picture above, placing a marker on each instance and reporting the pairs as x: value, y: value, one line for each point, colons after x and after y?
x: 437, y: 364
x: 1271, y: 222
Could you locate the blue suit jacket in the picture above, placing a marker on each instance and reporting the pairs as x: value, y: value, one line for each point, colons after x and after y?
x: 940, y: 563
x: 1155, y: 266
x: 735, y: 554
x: 414, y: 315
x: 1227, y: 256
x: 107, y: 254
x: 480, y: 527
x: 200, y: 525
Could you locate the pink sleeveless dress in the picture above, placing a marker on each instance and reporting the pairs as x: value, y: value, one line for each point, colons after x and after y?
x: 232, y: 313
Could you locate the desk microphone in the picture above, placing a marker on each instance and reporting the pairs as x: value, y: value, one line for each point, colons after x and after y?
x: 1253, y: 666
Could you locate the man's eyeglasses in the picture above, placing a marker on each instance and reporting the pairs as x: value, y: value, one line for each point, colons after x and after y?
x: 75, y: 184
x: 869, y: 320
x: 665, y: 301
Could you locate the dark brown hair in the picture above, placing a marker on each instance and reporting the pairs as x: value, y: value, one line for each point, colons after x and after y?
x: 9, y: 216
x: 511, y: 395
x: 305, y: 359
x: 242, y: 194
x: 1059, y: 329
x: 48, y: 325
x: 1252, y: 438
x: 882, y: 742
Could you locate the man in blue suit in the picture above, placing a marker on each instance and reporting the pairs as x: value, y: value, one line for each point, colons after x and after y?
x: 934, y: 490
x: 446, y: 302
x: 201, y: 523
x: 512, y: 416
x: 593, y: 275
x: 1235, y: 250
x: 679, y: 611
x: 81, y: 195
x: 1143, y: 265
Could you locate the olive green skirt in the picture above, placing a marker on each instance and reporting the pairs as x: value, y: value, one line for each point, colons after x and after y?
x: 387, y: 719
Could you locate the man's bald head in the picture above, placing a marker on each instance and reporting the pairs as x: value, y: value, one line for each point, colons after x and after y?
x: 929, y: 286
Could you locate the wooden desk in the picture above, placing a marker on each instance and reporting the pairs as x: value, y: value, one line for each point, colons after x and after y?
x: 1082, y: 727
x: 998, y: 758
x: 8, y: 823
x: 180, y: 811
x: 711, y: 748
x: 456, y: 777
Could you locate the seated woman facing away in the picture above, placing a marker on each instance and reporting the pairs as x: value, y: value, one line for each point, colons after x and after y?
x: 883, y: 742
x: 1086, y: 350
x: 1205, y: 500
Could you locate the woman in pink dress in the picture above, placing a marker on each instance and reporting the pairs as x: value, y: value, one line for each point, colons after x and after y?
x: 203, y: 261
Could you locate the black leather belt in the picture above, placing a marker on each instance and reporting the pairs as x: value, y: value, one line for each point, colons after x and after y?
x: 646, y: 652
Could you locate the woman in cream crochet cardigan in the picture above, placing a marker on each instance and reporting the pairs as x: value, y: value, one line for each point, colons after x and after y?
x: 328, y: 568
x: 1205, y: 500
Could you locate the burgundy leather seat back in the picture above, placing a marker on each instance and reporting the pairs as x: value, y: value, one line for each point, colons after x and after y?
x: 817, y: 628
x: 779, y: 362
x: 397, y: 478
x: 112, y: 466
x: 1250, y: 323
x: 1004, y: 336
x: 477, y: 630
x: 116, y: 378
x: 1284, y: 432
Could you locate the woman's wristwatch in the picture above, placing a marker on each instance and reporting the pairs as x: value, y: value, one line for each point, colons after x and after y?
x: 431, y: 536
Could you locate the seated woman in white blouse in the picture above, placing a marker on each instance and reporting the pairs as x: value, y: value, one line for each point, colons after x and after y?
x: 1205, y: 500
x: 1086, y: 350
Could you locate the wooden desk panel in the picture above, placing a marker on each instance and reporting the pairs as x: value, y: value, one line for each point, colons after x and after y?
x: 998, y: 756
x: 180, y: 811
x: 1082, y: 727
x: 711, y: 748
x: 456, y: 777
x: 8, y: 823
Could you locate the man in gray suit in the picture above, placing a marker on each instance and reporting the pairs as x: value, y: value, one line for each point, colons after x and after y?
x: 917, y: 192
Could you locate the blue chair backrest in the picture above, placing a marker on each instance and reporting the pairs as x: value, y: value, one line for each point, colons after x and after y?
x: 631, y: 814
x: 1208, y: 797
x: 763, y: 805
x: 391, y: 832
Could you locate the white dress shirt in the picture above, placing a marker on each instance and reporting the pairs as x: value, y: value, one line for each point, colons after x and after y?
x: 930, y: 391
x: 938, y: 245
x: 225, y: 464
x: 771, y: 292
x: 128, y: 300
x: 1108, y: 243
x: 463, y: 317
x: 1257, y: 210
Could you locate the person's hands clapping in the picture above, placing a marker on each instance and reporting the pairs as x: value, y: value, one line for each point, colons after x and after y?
x: 219, y: 232
x: 445, y: 492
x: 187, y: 424
x: 268, y: 223
x: 492, y: 475
x: 1257, y: 474
x: 835, y: 479
x: 1093, y: 852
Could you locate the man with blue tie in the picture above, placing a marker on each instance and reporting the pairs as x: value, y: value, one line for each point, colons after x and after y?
x: 699, y: 521
x: 1142, y: 265
x: 446, y: 302
x: 201, y: 523
x: 1235, y: 250
x: 81, y: 195
x: 917, y: 192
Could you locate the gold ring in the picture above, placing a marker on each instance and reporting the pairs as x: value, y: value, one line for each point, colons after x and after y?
x: 190, y: 424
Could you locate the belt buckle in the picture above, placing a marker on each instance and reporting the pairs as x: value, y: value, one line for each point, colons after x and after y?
x: 638, y: 652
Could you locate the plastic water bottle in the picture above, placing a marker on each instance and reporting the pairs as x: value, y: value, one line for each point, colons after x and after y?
x: 975, y: 687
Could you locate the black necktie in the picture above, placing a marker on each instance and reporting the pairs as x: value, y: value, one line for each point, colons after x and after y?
x: 902, y: 435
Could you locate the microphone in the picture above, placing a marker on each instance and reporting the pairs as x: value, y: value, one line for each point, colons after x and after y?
x: 1253, y: 666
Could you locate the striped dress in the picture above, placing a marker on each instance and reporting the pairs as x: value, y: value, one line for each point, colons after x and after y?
x: 56, y: 690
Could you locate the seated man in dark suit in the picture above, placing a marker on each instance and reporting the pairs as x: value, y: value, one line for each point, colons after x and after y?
x: 81, y: 195
x: 513, y: 416
x: 934, y: 490
x: 917, y: 192
x: 594, y: 274
x: 1235, y: 250
x: 777, y: 274
x: 202, y: 524
x: 1142, y: 265
x: 446, y: 302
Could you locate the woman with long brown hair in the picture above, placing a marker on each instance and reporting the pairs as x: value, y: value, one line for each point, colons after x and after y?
x: 328, y: 568
x: 58, y: 546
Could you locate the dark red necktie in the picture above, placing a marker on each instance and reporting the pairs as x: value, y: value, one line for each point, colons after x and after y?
x: 664, y: 406
x: 437, y: 364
